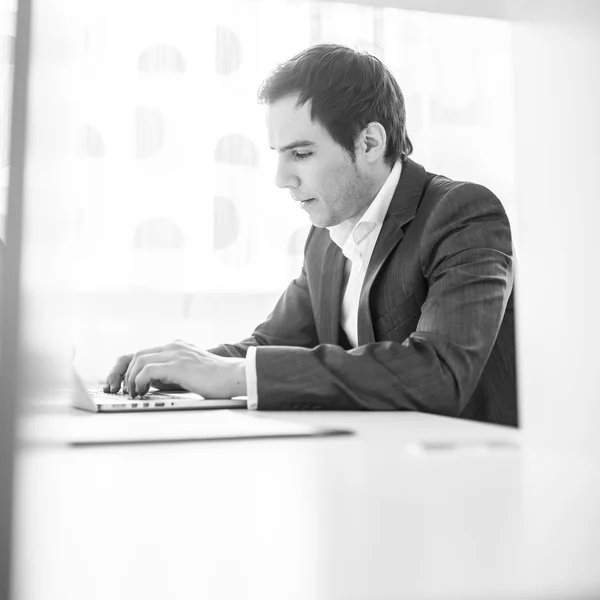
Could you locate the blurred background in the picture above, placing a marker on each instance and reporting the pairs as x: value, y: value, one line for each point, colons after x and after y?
x: 152, y: 213
x: 178, y: 228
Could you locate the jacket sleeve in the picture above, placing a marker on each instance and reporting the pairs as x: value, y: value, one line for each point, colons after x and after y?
x: 291, y: 323
x: 466, y: 260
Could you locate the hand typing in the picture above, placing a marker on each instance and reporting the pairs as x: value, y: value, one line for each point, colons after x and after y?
x: 176, y: 366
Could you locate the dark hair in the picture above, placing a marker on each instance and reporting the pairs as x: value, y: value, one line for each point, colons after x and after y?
x: 349, y: 89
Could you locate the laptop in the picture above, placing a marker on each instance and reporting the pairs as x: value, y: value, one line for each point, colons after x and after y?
x: 96, y: 400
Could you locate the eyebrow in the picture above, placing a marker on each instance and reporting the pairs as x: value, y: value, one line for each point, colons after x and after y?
x: 296, y: 144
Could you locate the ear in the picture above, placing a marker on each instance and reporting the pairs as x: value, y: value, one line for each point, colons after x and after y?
x: 372, y: 142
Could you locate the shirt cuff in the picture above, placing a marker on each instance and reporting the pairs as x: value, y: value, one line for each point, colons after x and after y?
x: 251, y: 378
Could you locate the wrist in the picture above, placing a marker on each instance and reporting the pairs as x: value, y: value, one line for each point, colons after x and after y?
x: 239, y: 377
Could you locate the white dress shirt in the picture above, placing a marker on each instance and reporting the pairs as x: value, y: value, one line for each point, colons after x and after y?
x: 357, y: 244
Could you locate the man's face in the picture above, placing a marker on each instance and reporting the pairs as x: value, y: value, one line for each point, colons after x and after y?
x: 316, y: 170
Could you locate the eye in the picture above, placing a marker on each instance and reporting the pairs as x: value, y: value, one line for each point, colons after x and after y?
x: 302, y: 155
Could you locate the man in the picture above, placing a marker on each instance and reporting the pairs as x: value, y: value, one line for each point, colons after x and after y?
x: 404, y: 301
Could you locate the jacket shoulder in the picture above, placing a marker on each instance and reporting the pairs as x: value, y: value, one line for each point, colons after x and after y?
x: 451, y: 195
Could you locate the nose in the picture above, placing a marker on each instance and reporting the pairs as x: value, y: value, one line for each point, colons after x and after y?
x: 285, y: 177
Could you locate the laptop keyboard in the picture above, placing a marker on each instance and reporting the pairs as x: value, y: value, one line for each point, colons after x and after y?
x: 122, y: 401
x: 122, y: 396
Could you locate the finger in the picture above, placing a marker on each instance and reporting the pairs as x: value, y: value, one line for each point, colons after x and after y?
x: 139, y: 364
x: 131, y: 364
x: 165, y: 371
x: 127, y: 377
x: 111, y: 387
x: 113, y: 381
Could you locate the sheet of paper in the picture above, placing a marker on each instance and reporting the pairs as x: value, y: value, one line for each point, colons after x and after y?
x: 97, y: 428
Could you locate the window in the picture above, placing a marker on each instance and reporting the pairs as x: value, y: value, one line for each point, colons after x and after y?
x: 180, y: 229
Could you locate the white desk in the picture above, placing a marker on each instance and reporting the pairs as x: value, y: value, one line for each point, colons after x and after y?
x: 316, y: 518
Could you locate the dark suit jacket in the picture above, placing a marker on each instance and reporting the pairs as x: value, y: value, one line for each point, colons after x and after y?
x: 435, y: 317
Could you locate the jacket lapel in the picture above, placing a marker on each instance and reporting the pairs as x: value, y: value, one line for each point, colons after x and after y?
x: 328, y: 321
x: 401, y: 211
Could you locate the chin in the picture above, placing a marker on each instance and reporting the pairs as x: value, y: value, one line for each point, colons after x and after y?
x: 325, y: 222
x: 320, y: 222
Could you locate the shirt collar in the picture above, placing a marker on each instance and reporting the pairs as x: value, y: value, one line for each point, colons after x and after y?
x: 374, y: 215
